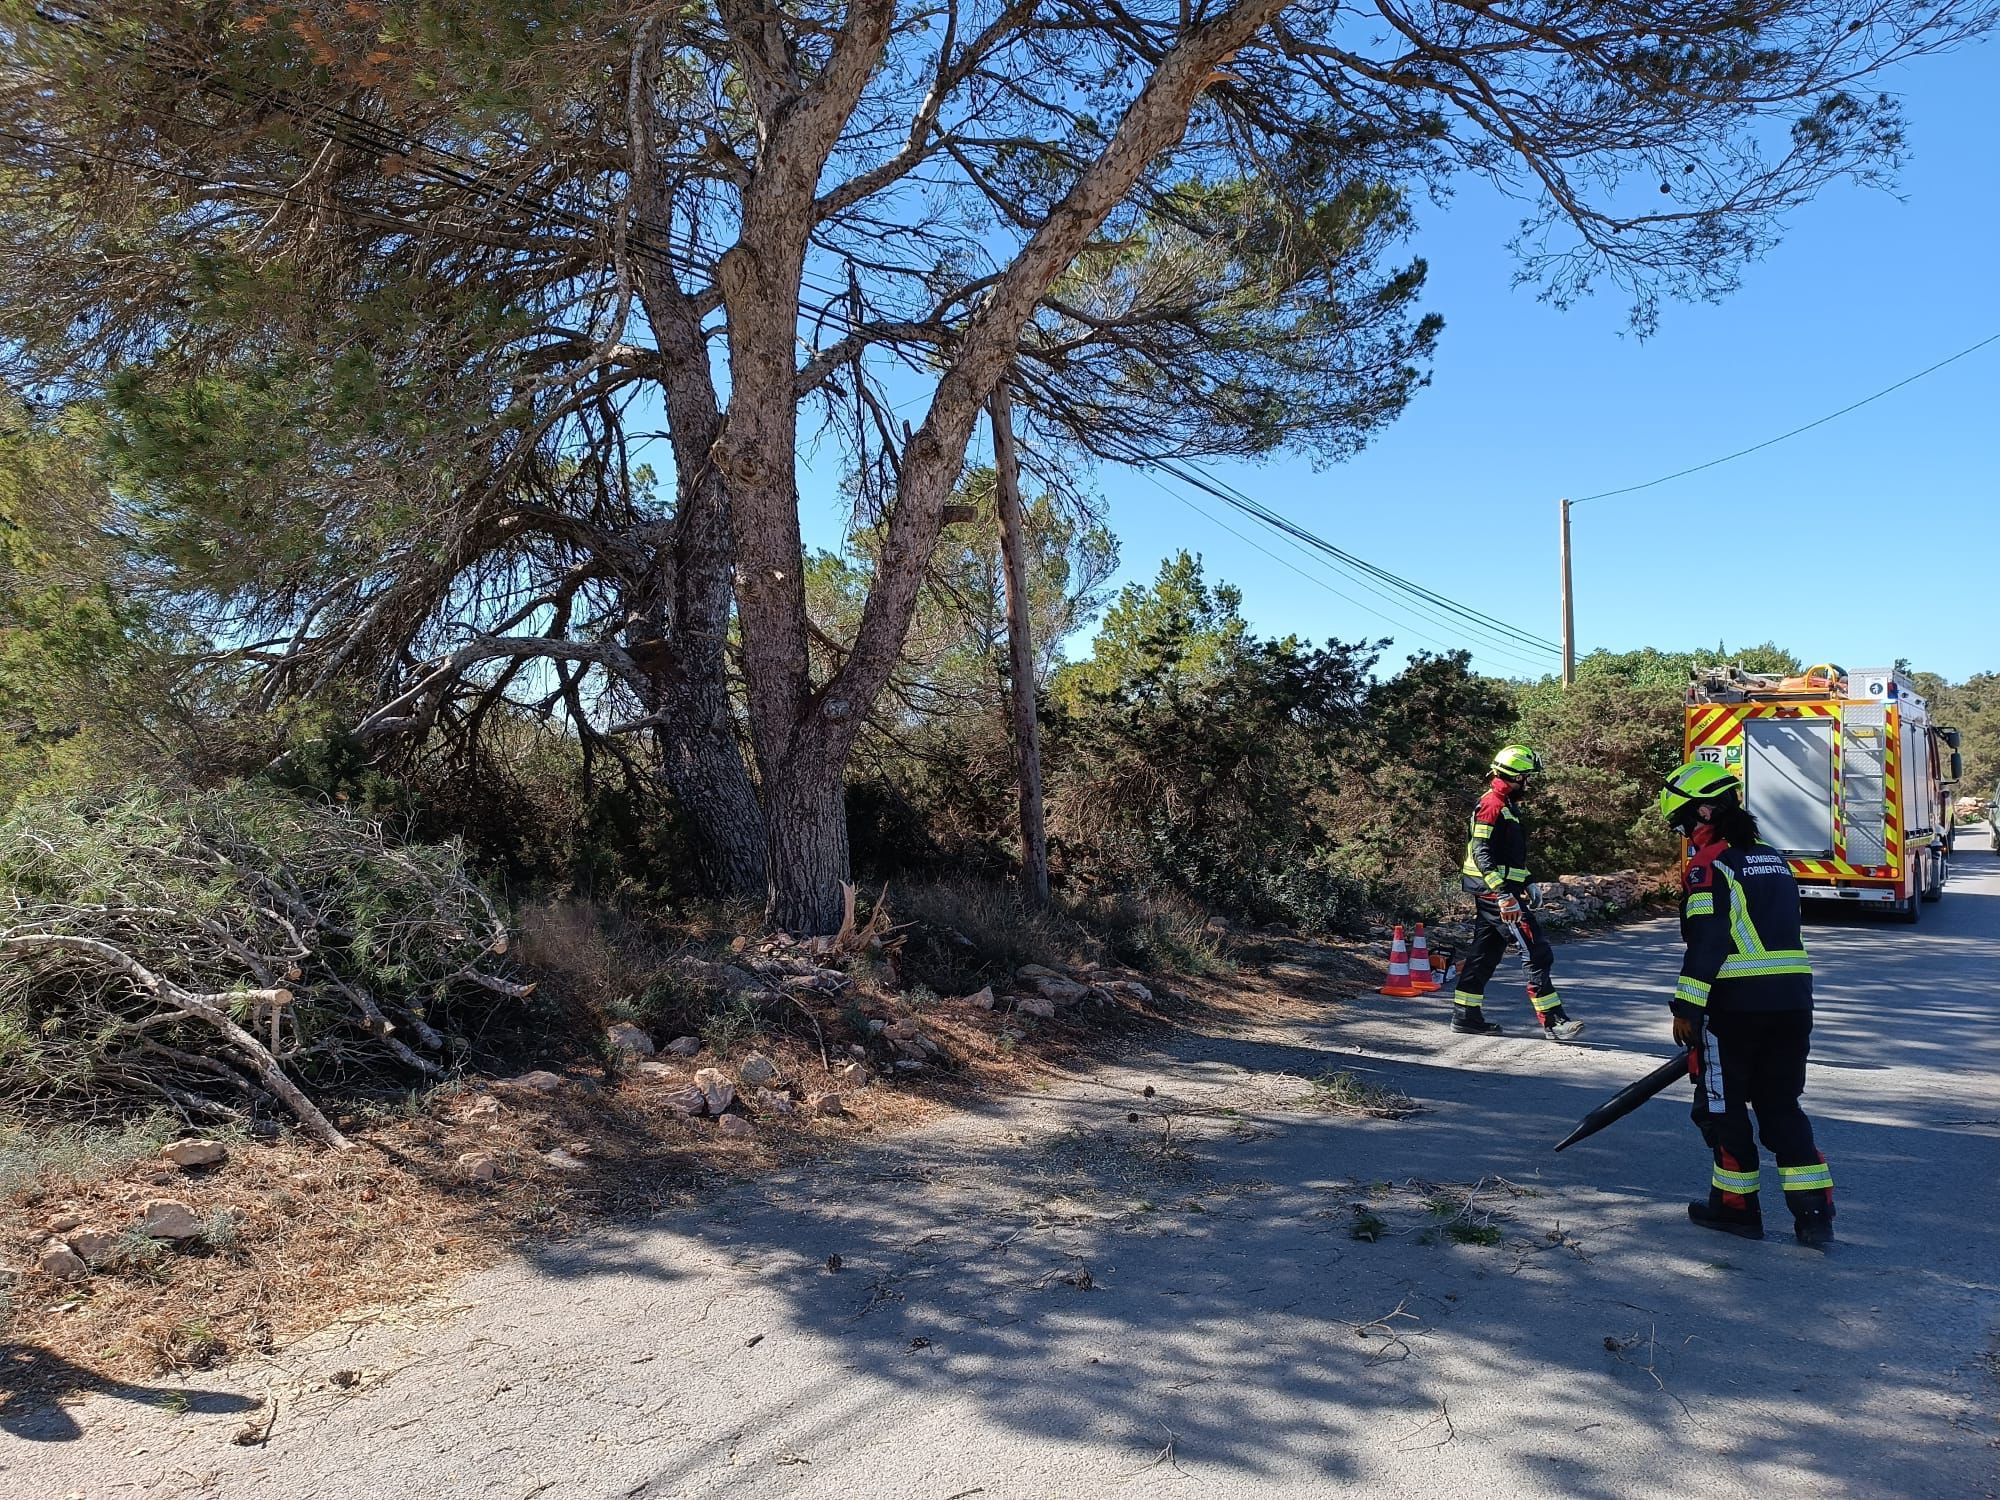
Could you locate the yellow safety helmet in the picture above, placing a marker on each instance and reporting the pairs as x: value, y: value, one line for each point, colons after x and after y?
x: 1516, y: 761
x: 1697, y: 781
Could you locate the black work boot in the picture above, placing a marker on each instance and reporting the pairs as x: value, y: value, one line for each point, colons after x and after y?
x: 1814, y: 1228
x: 1470, y: 1020
x: 1748, y: 1223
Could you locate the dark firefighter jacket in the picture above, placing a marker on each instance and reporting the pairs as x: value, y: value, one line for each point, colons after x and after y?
x: 1496, y: 856
x: 1740, y: 921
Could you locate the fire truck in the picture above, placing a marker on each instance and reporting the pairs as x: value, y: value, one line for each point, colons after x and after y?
x: 1847, y: 775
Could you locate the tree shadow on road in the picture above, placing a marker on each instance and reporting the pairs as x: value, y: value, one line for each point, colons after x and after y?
x: 1196, y: 1299
x: 34, y: 1383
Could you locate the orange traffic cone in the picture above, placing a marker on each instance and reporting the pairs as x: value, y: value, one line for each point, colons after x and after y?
x: 1420, y: 963
x: 1399, y: 967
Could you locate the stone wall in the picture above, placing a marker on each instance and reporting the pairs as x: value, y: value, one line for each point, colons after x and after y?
x: 1585, y: 898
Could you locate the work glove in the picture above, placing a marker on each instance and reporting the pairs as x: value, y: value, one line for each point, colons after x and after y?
x: 1687, y: 1026
x: 1510, y: 909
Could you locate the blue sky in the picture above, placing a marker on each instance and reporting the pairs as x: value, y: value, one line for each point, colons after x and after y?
x: 1873, y: 537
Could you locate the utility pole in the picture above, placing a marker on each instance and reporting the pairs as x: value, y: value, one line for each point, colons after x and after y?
x: 1569, y: 606
x: 1020, y: 646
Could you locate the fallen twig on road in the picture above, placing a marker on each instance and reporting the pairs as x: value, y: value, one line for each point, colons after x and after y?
x: 1450, y: 1431
x: 1165, y: 1456
x: 1619, y: 1347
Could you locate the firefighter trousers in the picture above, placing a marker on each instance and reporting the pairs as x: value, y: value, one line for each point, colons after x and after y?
x: 1763, y: 1066
x: 1493, y: 940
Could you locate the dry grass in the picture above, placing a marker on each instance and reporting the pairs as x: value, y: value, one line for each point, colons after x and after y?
x: 297, y: 1236
x: 1347, y: 1093
x: 78, y: 1153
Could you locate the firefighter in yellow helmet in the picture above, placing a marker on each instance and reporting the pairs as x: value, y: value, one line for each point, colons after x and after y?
x: 1744, y: 1004
x: 1496, y: 872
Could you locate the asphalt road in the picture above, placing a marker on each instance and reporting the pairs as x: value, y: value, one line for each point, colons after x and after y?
x: 1045, y: 1299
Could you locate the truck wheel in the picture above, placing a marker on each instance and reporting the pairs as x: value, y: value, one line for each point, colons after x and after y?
x: 1907, y: 912
x: 1934, y: 867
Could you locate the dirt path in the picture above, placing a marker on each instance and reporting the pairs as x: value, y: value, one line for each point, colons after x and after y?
x: 1047, y: 1298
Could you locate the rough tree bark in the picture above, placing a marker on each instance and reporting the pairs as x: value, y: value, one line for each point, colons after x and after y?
x: 799, y: 757
x: 803, y: 732
x: 1020, y: 652
x: 689, y: 604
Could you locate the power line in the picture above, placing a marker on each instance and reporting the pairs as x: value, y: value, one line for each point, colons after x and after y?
x: 1484, y: 643
x: 1496, y: 635
x: 1313, y: 579
x: 1463, y: 616
x: 1631, y: 489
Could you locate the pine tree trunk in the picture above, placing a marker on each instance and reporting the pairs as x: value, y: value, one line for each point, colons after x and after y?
x: 1020, y: 652
x: 806, y: 810
x: 702, y: 765
x: 700, y: 754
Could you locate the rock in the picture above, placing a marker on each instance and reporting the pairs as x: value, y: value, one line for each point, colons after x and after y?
x: 876, y: 1028
x: 684, y: 1046
x: 980, y: 999
x: 902, y: 1030
x: 688, y: 1101
x: 194, y: 1153
x: 485, y: 1110
x: 97, y: 1246
x: 820, y: 982
x: 735, y: 1127
x: 563, y: 1160
x: 64, y: 1223
x: 716, y: 1089
x: 658, y: 1072
x: 61, y: 1262
x: 1128, y: 989
x: 168, y: 1219
x: 1548, y: 890
x: 827, y: 1106
x: 854, y: 1073
x: 1060, y: 990
x: 629, y: 1039
x: 911, y: 1049
x: 757, y: 1070
x: 539, y: 1081
x: 777, y: 1101
x: 478, y: 1166
x: 1031, y: 972
x: 1036, y: 1005
x: 737, y: 980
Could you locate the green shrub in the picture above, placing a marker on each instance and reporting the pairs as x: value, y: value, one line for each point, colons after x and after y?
x: 33, y: 1157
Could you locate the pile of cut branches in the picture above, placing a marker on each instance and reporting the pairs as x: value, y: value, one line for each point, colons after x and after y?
x: 233, y: 953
